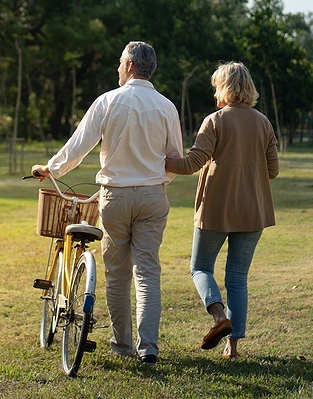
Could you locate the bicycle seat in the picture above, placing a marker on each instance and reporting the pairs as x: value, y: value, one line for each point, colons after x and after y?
x: 84, y: 231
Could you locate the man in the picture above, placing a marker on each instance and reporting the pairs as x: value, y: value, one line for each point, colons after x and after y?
x: 138, y: 127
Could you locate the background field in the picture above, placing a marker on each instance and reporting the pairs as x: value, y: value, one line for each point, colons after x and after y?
x: 276, y: 359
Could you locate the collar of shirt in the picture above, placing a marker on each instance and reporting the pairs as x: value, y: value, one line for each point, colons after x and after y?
x: 140, y: 82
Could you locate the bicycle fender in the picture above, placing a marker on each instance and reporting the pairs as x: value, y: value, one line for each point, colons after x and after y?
x: 90, y: 282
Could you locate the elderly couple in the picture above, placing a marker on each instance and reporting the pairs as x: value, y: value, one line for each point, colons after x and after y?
x: 141, y: 152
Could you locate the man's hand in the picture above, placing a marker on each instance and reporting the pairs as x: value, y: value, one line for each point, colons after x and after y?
x: 40, y: 172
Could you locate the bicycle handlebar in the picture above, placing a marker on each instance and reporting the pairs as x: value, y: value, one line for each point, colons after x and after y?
x: 65, y: 196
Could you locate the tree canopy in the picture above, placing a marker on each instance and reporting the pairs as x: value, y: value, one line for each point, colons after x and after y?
x: 57, y: 57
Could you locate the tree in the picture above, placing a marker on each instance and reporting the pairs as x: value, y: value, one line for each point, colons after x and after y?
x: 70, y: 54
x: 277, y: 63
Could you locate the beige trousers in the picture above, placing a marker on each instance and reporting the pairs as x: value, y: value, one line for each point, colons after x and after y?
x: 133, y: 220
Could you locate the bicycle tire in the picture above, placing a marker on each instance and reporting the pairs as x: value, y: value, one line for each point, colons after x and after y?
x: 79, y: 313
x: 49, y: 309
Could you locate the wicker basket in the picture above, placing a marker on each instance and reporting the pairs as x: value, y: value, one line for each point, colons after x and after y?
x: 53, y: 210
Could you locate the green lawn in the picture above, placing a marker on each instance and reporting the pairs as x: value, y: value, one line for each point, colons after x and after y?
x: 276, y: 358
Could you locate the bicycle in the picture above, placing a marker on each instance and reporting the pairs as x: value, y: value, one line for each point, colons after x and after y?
x: 70, y: 282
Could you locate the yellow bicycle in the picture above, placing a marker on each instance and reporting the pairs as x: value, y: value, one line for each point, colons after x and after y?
x: 70, y: 282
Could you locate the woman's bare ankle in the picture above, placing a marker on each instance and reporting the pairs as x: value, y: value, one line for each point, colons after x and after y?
x: 231, y: 347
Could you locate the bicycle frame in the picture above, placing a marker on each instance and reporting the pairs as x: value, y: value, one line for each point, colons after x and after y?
x: 67, y: 246
x: 67, y: 269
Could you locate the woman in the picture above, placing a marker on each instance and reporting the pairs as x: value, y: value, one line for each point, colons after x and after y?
x: 235, y: 149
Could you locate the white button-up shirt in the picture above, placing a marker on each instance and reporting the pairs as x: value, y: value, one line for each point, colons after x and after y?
x: 138, y: 127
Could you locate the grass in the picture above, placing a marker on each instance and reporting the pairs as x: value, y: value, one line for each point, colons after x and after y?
x: 276, y: 357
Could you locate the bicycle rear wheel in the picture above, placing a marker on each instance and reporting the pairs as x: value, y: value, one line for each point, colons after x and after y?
x: 48, y: 322
x: 79, y: 315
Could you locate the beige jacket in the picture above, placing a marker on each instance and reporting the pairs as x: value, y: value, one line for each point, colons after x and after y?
x: 236, y: 149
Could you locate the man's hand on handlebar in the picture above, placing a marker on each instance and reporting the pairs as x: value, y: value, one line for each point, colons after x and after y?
x: 40, y: 172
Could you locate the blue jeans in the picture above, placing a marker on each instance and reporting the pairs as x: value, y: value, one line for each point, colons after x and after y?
x: 241, y: 247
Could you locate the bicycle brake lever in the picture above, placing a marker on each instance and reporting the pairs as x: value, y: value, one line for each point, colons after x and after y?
x: 36, y: 174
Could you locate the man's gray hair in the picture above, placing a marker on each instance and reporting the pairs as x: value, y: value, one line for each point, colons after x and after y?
x: 144, y: 58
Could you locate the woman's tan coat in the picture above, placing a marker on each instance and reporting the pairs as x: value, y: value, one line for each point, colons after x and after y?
x: 236, y: 149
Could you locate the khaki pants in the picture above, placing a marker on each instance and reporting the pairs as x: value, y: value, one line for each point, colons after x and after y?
x: 133, y: 221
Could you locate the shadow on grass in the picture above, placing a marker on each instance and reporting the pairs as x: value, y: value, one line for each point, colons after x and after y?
x: 257, y: 377
x: 261, y: 376
x: 292, y: 193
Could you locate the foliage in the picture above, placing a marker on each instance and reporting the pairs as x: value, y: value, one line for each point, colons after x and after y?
x: 275, y: 56
x: 70, y: 53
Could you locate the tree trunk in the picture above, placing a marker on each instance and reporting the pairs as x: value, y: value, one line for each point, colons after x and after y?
x: 280, y: 140
x: 19, y: 90
x: 73, y: 116
x: 42, y: 135
x: 183, y: 102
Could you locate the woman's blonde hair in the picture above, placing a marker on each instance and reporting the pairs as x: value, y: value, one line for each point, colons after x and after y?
x: 233, y: 84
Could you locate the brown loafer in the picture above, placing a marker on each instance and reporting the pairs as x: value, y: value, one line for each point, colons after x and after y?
x: 213, y: 337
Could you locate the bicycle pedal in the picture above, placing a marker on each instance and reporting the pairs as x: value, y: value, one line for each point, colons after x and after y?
x: 42, y: 284
x: 90, y: 346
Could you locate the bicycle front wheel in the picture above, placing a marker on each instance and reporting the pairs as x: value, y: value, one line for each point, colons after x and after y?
x: 49, y: 311
x: 79, y: 315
